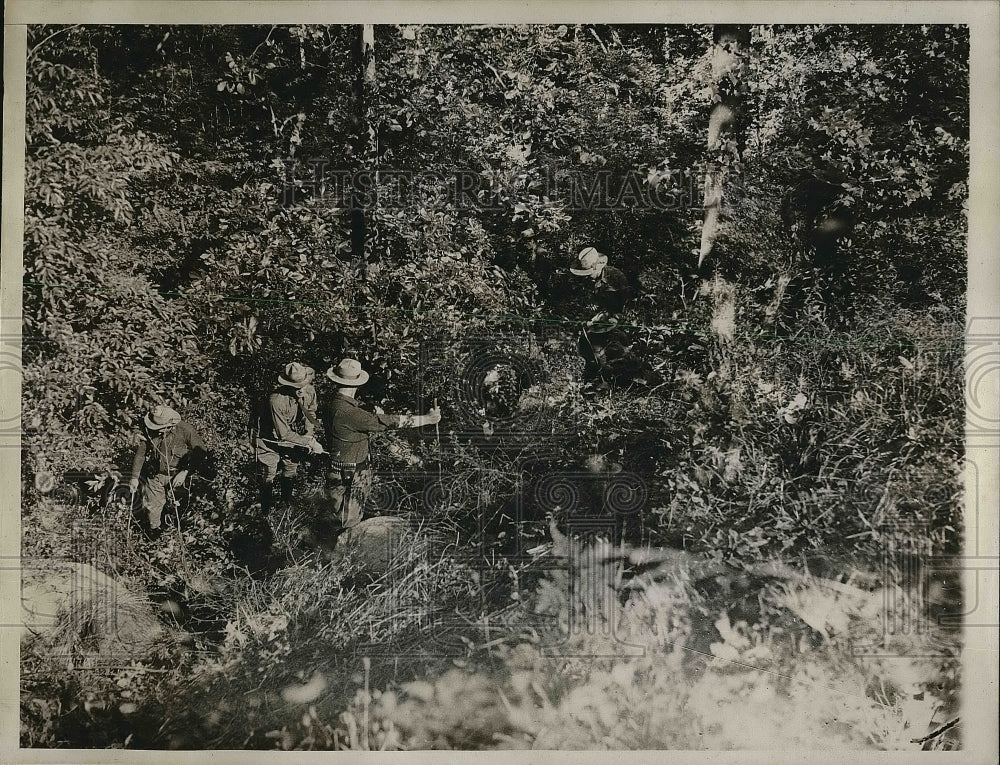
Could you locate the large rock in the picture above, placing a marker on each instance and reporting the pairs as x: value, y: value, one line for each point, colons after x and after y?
x: 376, y: 544
x: 72, y: 608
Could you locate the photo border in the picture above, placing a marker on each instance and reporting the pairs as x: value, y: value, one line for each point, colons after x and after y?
x: 980, y: 673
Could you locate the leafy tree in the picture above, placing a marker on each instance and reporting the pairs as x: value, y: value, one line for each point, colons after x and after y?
x: 102, y: 342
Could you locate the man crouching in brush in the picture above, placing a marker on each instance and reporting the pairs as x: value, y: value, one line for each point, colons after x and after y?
x: 168, y: 448
x: 347, y: 428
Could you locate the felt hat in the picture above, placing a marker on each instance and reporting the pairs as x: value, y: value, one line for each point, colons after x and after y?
x: 294, y: 375
x: 161, y: 417
x: 349, y: 373
x: 592, y: 262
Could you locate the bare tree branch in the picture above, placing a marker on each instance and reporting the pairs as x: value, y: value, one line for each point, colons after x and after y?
x: 937, y: 732
x: 34, y: 50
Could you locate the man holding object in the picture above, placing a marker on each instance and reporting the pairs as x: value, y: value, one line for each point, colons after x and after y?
x: 168, y: 449
x: 347, y: 428
x: 275, y: 438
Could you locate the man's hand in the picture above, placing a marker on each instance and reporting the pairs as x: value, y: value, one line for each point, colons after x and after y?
x: 133, y: 484
x: 315, y: 446
x: 179, y: 478
x: 434, y: 416
x: 598, y: 317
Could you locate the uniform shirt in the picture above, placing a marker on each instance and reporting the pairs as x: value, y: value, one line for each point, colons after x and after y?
x: 276, y: 421
x: 347, y: 427
x: 612, y: 290
x: 169, y: 450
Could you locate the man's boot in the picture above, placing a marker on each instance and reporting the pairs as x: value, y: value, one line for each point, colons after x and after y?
x: 286, y: 484
x: 266, y: 496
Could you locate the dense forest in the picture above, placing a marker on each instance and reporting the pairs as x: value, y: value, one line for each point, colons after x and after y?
x: 205, y: 204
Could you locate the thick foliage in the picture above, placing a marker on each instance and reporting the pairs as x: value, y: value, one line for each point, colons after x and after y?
x: 180, y: 248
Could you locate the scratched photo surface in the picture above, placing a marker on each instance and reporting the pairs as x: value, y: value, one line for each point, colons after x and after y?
x: 571, y: 386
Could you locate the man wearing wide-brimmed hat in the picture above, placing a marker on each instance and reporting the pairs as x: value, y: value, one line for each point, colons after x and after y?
x: 168, y: 450
x: 277, y: 444
x: 611, y: 285
x: 347, y: 428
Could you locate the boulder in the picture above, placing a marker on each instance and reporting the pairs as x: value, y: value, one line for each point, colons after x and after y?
x: 69, y: 608
x: 375, y: 544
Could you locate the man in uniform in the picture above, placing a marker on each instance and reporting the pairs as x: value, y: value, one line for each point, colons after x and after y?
x: 277, y: 444
x: 611, y: 287
x: 347, y: 428
x: 168, y: 450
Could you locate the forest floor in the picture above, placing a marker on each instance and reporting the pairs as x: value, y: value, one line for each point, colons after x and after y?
x: 506, y: 626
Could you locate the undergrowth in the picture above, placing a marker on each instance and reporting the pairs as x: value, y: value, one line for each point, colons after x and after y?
x: 831, y: 453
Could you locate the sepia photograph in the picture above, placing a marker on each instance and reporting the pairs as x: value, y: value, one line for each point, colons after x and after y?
x: 495, y: 386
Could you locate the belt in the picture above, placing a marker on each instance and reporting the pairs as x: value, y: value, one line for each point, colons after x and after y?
x: 349, y: 465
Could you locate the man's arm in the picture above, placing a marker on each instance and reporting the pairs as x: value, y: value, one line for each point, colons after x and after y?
x: 365, y: 422
x: 308, y: 402
x: 137, y: 463
x: 414, y: 420
x: 140, y: 458
x: 311, y: 423
x: 196, y: 448
x: 283, y: 428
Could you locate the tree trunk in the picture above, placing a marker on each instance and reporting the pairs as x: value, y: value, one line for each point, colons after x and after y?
x: 726, y: 128
x: 726, y: 125
x: 364, y: 198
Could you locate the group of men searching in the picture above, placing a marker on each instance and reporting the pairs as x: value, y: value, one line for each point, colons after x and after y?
x: 285, y: 424
x: 283, y: 431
